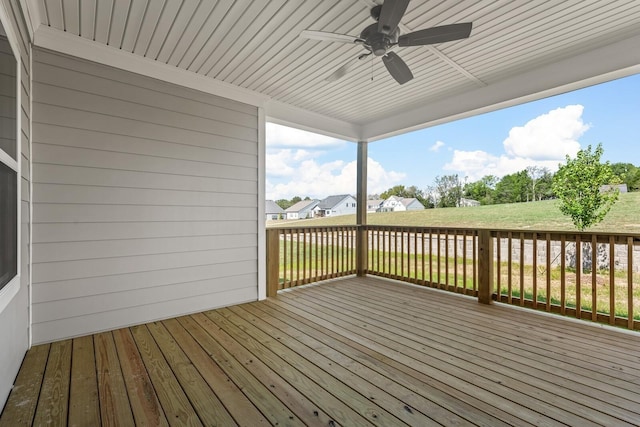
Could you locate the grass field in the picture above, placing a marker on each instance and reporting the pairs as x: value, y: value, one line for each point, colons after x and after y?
x: 544, y: 216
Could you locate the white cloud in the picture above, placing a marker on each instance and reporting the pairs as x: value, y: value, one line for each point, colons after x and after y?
x: 437, y: 146
x: 318, y: 180
x: 278, y: 136
x: 548, y: 137
x: 543, y: 141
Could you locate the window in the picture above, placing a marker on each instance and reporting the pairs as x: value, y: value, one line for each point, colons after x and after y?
x: 8, y: 224
x: 8, y: 166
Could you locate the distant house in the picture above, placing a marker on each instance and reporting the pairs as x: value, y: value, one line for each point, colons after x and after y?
x: 301, y: 210
x: 466, y: 203
x: 343, y: 204
x: 400, y: 204
x: 273, y: 211
x: 622, y: 188
x: 374, y: 205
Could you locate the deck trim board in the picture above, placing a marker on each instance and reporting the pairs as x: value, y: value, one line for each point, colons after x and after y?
x: 590, y: 406
x: 84, y: 405
x: 114, y: 398
x: 350, y: 351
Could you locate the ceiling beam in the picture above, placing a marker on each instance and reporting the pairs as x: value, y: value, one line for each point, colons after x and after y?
x: 288, y: 115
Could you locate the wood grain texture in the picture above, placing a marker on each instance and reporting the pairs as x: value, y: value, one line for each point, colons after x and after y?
x: 354, y: 351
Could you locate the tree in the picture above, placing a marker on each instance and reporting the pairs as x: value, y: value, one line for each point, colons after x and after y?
x: 513, y: 188
x: 482, y: 190
x: 578, y: 186
x: 404, y: 192
x: 627, y: 174
x: 536, y: 174
x: 448, y: 190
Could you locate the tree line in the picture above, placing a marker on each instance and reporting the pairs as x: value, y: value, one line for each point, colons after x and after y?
x: 533, y: 183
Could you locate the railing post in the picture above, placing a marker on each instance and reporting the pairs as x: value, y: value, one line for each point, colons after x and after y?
x: 485, y: 266
x: 273, y: 261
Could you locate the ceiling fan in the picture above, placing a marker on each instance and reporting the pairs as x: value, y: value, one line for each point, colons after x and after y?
x: 379, y: 38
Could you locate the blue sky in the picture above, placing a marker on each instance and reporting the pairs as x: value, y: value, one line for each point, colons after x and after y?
x: 505, y: 141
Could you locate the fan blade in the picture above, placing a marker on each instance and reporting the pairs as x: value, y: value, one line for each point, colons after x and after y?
x: 445, y: 33
x: 398, y: 69
x: 329, y: 37
x: 391, y: 14
x: 342, y: 71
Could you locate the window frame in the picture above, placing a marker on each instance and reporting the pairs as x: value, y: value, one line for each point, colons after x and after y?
x: 11, y: 288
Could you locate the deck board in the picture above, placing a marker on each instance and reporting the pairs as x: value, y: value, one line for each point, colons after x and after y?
x: 354, y: 351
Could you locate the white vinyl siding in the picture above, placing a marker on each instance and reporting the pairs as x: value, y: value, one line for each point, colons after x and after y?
x: 145, y: 198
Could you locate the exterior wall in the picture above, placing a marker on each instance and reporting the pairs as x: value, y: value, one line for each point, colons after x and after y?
x: 415, y: 206
x: 14, y: 318
x: 145, y: 199
x: 342, y: 208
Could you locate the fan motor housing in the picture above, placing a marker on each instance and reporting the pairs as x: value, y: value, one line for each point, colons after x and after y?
x: 378, y: 43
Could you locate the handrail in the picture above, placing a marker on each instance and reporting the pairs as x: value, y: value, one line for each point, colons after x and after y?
x: 594, y: 276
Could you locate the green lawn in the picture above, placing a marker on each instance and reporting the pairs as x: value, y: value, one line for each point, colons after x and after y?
x: 545, y: 216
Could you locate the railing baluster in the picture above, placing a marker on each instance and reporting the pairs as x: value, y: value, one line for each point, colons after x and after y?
x: 446, y: 259
x: 455, y: 260
x: 430, y: 257
x: 509, y: 267
x: 594, y: 278
x: 415, y: 257
x: 630, y: 311
x: 402, y: 238
x: 438, y: 262
x: 578, y: 277
x: 612, y: 281
x: 474, y: 251
x: 498, y: 265
x: 423, y: 254
x: 521, y: 269
x: 464, y: 263
x: 534, y: 249
x: 563, y: 276
x: 548, y: 304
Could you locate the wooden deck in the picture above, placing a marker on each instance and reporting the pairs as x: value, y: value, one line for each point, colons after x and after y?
x: 350, y: 352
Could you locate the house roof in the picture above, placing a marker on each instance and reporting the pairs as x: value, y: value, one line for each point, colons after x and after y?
x: 251, y: 51
x: 331, y: 201
x: 302, y: 206
x: 272, y: 207
x: 407, y: 201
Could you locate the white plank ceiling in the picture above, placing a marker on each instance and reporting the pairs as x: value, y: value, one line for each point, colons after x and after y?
x: 255, y: 45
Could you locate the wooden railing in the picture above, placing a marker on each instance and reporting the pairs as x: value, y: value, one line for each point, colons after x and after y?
x: 298, y: 256
x: 594, y: 276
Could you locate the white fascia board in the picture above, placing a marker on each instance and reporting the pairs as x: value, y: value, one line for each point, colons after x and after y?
x: 31, y: 13
x: 59, y: 41
x: 288, y: 115
x: 600, y: 65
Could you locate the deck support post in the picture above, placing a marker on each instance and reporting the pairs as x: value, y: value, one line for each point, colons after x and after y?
x: 361, y: 210
x: 273, y: 261
x: 485, y: 266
